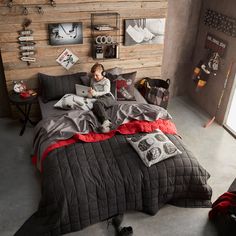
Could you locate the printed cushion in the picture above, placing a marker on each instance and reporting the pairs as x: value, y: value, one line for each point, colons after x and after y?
x: 54, y: 87
x: 72, y: 101
x: 153, y: 147
x: 125, y: 86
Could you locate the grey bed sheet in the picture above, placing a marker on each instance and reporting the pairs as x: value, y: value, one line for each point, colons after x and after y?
x: 47, y: 109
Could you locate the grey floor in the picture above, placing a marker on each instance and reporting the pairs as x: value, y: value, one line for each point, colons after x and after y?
x: 214, y: 147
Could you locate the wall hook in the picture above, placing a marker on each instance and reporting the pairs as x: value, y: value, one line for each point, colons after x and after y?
x: 10, y: 3
x: 26, y: 23
x: 25, y: 11
x: 40, y: 10
x: 53, y: 3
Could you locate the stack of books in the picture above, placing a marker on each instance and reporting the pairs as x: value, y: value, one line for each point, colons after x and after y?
x: 103, y: 27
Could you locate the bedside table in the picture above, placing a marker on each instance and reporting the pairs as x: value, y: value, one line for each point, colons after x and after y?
x: 24, y: 103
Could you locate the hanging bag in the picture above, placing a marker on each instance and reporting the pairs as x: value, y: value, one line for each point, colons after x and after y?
x: 157, y: 91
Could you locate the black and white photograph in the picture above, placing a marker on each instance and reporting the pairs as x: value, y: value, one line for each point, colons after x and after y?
x: 144, y: 31
x: 65, y: 33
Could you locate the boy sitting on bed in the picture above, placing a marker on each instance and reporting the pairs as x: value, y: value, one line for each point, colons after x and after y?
x: 100, y: 89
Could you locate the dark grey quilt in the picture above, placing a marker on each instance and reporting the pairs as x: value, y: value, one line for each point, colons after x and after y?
x: 62, y: 127
x: 84, y: 183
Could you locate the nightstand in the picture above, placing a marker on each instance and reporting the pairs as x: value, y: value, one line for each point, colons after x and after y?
x: 24, y: 106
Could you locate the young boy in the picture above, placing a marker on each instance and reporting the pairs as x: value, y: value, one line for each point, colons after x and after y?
x: 100, y: 89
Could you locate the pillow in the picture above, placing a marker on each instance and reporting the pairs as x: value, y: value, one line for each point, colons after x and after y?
x: 85, y: 79
x: 114, y: 71
x: 153, y: 147
x: 125, y: 86
x: 72, y: 101
x: 54, y: 87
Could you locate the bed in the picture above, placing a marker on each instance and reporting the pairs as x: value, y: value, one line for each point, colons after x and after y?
x: 89, y: 177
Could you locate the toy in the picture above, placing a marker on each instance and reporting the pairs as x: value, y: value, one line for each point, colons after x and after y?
x: 203, y: 70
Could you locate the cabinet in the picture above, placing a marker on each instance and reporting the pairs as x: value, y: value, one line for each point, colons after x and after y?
x: 105, y: 29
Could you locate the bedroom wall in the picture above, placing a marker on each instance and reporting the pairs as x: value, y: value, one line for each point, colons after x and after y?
x: 181, y: 36
x: 208, y: 97
x: 145, y: 59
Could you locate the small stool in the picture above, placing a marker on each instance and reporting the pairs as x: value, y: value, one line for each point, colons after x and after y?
x: 18, y: 101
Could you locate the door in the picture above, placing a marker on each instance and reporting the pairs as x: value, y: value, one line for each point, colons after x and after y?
x: 230, y: 123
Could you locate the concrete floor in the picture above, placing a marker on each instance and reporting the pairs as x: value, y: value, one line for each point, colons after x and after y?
x: 214, y: 147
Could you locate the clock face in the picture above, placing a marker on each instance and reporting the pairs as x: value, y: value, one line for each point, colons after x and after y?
x: 19, y: 87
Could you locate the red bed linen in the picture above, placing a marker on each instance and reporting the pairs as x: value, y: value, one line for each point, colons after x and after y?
x: 131, y: 127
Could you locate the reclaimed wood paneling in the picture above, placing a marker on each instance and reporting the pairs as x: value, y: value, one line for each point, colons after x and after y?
x: 145, y: 59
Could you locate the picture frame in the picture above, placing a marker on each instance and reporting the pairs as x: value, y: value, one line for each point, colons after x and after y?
x: 144, y: 31
x: 65, y: 33
x: 67, y: 59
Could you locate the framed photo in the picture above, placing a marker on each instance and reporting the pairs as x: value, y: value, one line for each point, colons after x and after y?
x: 144, y: 31
x: 65, y: 33
x: 67, y: 59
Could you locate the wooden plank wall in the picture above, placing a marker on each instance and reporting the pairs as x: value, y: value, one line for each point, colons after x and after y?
x: 145, y: 59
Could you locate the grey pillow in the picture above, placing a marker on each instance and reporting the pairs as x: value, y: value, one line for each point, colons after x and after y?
x: 153, y: 147
x: 114, y: 71
x: 85, y: 79
x: 54, y: 87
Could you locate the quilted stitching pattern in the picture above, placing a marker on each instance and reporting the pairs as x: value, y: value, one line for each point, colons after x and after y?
x: 90, y: 182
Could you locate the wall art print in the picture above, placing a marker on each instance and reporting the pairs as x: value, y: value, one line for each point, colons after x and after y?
x: 65, y: 33
x: 144, y: 31
x: 67, y: 59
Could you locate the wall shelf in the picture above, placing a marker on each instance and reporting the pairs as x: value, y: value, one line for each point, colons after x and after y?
x: 105, y: 29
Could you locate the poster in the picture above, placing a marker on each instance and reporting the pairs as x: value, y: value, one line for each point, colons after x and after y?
x: 67, y: 59
x: 144, y: 31
x: 65, y: 33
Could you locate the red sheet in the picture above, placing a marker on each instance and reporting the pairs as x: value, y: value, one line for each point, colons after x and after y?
x: 132, y: 127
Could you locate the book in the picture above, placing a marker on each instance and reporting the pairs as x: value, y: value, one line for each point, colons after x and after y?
x: 103, y: 27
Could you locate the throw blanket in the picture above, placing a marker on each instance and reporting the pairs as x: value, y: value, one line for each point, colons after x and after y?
x: 129, y: 128
x: 50, y: 130
x: 87, y: 182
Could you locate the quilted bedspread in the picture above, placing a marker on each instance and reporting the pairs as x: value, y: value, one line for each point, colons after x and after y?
x: 87, y: 182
